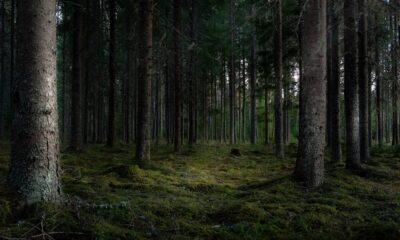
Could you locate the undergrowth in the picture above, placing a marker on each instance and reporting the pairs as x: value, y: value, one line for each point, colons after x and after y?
x: 206, y: 193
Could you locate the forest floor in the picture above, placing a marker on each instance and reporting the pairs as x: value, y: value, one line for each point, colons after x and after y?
x: 206, y: 193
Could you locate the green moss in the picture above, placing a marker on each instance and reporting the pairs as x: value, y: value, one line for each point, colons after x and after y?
x: 205, y: 193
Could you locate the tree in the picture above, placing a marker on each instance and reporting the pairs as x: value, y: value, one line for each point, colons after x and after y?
x: 76, y: 107
x: 113, y: 83
x: 143, y: 128
x: 363, y: 80
x: 253, y: 69
x: 334, y: 85
x: 310, y: 160
x: 177, y: 74
x: 279, y: 146
x: 351, y: 87
x: 35, y: 171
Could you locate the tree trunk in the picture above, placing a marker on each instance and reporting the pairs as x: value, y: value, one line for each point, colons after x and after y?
x: 177, y: 74
x: 76, y: 109
x: 112, y: 88
x: 143, y: 129
x: 310, y: 161
x: 232, y: 75
x: 351, y: 87
x: 279, y: 146
x: 334, y: 86
x: 253, y: 69
x: 35, y: 171
x: 363, y: 80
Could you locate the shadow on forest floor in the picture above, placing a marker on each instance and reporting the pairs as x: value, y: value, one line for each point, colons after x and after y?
x: 205, y: 193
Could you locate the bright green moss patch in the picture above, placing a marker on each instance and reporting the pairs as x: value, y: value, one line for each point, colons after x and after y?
x: 206, y: 193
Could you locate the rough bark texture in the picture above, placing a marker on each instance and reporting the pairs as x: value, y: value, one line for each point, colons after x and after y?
x: 363, y: 80
x: 34, y: 172
x: 279, y: 146
x: 143, y: 129
x: 76, y: 107
x: 351, y: 86
x: 113, y: 88
x: 310, y: 160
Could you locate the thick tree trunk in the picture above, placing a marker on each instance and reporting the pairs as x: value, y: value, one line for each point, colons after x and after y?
x: 310, y: 161
x: 35, y: 171
x: 351, y: 86
x: 279, y: 146
x: 363, y: 80
x: 76, y: 109
x: 143, y: 129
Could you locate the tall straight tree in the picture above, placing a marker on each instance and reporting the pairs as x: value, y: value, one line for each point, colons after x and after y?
x: 351, y: 86
x: 192, y: 74
x: 76, y: 106
x: 310, y: 160
x: 2, y: 69
x: 232, y: 74
x: 113, y: 88
x: 378, y: 80
x: 253, y: 69
x: 278, y: 55
x: 395, y: 84
x: 143, y: 128
x: 35, y: 171
x: 334, y: 84
x: 177, y: 74
x: 363, y: 80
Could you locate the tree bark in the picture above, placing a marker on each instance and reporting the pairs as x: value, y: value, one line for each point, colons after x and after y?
x: 279, y: 146
x: 351, y: 87
x: 310, y: 160
x: 363, y: 80
x: 253, y: 69
x: 35, y: 171
x: 334, y: 86
x: 112, y: 88
x: 177, y: 74
x: 143, y: 129
x: 232, y: 75
x: 76, y: 108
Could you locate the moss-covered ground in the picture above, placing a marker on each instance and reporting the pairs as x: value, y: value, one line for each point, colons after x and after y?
x: 206, y: 193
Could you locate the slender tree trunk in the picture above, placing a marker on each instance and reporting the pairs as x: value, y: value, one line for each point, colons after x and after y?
x: 310, y: 161
x: 177, y: 74
x: 253, y: 69
x: 378, y: 80
x: 395, y: 121
x: 232, y: 75
x: 363, y: 80
x: 143, y: 129
x: 113, y: 88
x: 192, y: 74
x: 334, y: 86
x: 35, y: 171
x: 76, y: 110
x: 2, y: 71
x: 351, y: 87
x: 279, y: 146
